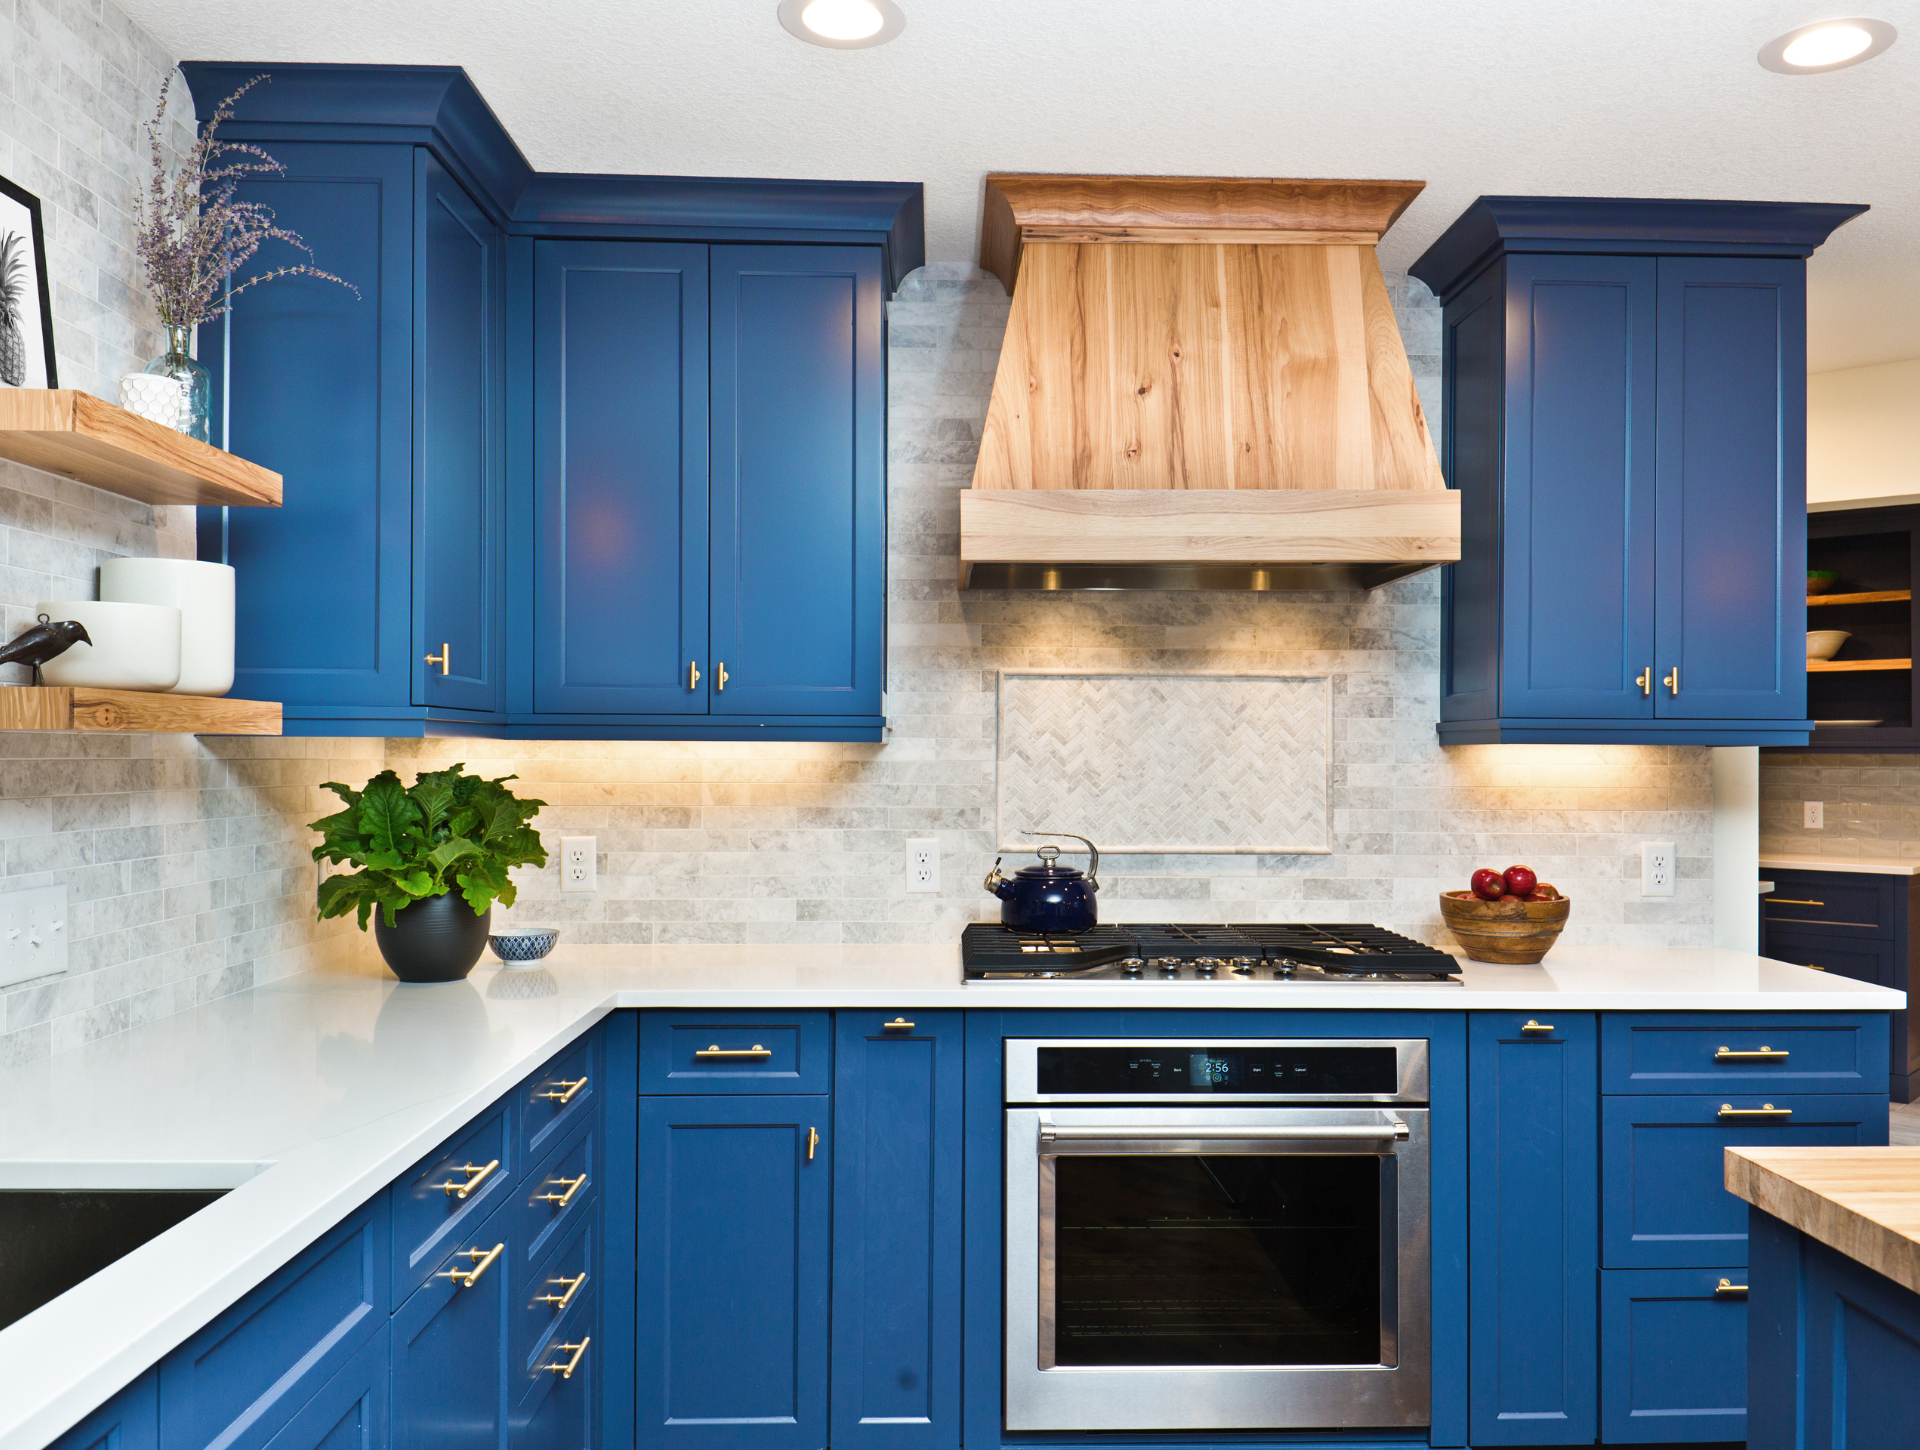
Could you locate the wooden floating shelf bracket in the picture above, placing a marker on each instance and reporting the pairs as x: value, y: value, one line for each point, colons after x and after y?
x: 91, y: 441
x: 81, y: 707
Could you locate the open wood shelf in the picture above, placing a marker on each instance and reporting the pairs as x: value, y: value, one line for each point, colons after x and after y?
x: 1873, y: 596
x: 91, y: 441
x: 1818, y: 666
x: 81, y: 707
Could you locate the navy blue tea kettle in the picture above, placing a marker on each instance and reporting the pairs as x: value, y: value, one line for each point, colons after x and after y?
x: 1048, y: 897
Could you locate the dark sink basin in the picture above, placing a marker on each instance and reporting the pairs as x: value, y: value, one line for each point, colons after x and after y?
x: 51, y: 1239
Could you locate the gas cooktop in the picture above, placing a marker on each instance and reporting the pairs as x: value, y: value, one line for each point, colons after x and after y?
x: 1348, y: 952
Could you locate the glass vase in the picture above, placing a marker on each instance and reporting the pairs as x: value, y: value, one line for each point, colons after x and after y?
x: 196, y: 383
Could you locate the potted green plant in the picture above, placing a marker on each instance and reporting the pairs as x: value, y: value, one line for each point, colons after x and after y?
x: 433, y: 859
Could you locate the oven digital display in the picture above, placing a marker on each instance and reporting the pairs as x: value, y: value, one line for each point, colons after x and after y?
x: 1145, y: 1069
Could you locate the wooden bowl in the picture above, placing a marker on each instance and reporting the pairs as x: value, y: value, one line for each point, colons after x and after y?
x: 1512, y: 932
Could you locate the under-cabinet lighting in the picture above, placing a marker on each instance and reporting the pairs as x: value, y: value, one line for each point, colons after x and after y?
x: 842, y: 24
x: 1827, y: 45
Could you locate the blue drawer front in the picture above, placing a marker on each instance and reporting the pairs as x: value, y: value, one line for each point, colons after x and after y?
x: 128, y: 1421
x: 555, y: 1196
x: 561, y: 1094
x: 1682, y: 1053
x: 1673, y: 1356
x: 1663, y: 1199
x: 568, y: 1275
x: 552, y: 1408
x: 236, y: 1382
x: 1857, y: 904
x: 428, y: 1217
x: 449, y: 1353
x: 791, y: 1052
x: 350, y: 1413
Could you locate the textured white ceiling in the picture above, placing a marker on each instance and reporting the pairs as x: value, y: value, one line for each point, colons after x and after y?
x: 1619, y: 97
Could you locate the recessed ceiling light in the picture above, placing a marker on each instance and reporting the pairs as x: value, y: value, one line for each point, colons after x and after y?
x: 842, y: 24
x: 1827, y: 45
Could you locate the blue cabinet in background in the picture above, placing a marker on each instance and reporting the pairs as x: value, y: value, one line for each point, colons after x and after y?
x: 1625, y: 421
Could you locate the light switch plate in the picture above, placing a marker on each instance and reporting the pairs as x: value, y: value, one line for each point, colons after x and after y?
x: 579, y: 863
x: 33, y: 934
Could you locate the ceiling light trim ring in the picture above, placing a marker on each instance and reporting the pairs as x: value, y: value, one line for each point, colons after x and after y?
x: 1773, y: 54
x: 892, y: 21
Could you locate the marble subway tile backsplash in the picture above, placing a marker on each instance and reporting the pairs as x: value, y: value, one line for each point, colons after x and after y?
x: 1872, y: 806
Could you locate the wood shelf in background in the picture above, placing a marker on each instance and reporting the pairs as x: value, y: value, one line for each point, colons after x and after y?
x: 81, y: 707
x: 1876, y: 596
x: 1818, y: 666
x: 92, y: 441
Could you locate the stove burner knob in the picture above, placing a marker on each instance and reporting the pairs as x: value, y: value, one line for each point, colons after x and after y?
x: 1206, y: 966
x: 1285, y: 968
x: 1243, y: 966
x: 1169, y: 966
x: 1132, y: 966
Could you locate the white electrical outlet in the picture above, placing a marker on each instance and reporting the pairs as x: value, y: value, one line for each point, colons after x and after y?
x: 33, y: 934
x: 579, y: 863
x: 923, y: 864
x: 1813, y: 815
x: 1657, y: 868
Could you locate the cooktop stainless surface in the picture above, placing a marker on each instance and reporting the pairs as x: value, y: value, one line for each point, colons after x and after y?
x: 1351, y: 953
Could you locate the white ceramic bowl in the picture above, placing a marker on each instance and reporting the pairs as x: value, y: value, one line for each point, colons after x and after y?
x: 135, y: 646
x: 1824, y: 644
x: 203, y: 593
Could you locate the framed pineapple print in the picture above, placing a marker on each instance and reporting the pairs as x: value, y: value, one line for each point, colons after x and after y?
x: 26, y: 315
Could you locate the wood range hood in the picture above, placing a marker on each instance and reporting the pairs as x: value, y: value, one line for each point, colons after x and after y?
x: 1202, y: 387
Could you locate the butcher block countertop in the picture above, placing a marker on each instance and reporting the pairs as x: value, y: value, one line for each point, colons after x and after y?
x: 1864, y: 1202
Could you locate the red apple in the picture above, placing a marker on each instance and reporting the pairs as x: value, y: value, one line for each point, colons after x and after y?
x: 1489, y: 885
x: 1544, y: 891
x: 1520, y: 879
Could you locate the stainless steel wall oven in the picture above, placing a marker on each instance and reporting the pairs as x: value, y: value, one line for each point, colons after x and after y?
x: 1216, y: 1235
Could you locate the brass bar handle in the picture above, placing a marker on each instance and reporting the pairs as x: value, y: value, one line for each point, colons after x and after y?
x: 813, y: 1142
x: 565, y: 1371
x: 899, y: 1024
x: 1672, y: 680
x: 1645, y: 680
x: 477, y: 1175
x: 693, y: 674
x: 561, y: 1200
x: 565, y: 1097
x: 1793, y: 901
x: 442, y: 659
x: 755, y: 1051
x: 1531, y: 1026
x: 1763, y: 1054
x: 1728, y: 1287
x: 1765, y: 1110
x: 720, y: 675
x: 561, y: 1301
x: 467, y: 1278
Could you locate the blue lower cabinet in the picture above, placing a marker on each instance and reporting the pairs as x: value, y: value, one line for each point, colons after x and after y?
x: 443, y: 1196
x: 450, y: 1348
x: 239, y: 1380
x: 557, y: 1391
x: 350, y: 1412
x: 734, y: 1265
x: 1534, y: 1237
x: 1673, y: 1355
x: 899, y: 1085
x: 128, y: 1421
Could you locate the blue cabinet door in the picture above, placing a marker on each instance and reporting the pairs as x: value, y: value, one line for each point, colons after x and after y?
x: 1577, y: 587
x: 350, y: 1412
x: 799, y: 508
x: 1731, y: 479
x: 128, y: 1421
x: 559, y: 1387
x: 620, y: 478
x: 317, y: 384
x: 899, y: 1080
x: 1533, y: 1191
x: 1673, y: 1356
x: 734, y: 1195
x: 450, y: 1366
x: 459, y: 481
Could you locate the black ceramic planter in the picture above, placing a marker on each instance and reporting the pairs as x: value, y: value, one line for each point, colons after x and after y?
x: 437, y: 939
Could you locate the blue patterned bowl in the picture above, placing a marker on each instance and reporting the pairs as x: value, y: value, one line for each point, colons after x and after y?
x: 524, y: 944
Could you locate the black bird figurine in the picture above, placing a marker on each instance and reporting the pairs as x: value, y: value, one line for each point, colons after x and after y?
x: 43, y: 642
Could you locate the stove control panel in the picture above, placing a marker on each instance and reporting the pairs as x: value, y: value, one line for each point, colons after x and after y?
x: 1086, y: 1070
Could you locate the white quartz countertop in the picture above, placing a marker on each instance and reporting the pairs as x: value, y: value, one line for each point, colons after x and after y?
x: 1869, y: 866
x: 311, y: 1094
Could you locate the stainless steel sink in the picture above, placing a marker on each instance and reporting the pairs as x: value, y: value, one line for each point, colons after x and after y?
x: 52, y: 1238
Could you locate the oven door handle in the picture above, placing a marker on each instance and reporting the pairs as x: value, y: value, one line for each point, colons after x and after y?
x: 1175, y: 1132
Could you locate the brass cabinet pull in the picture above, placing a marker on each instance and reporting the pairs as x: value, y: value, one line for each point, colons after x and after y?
x: 1815, y: 967
x: 1727, y: 1286
x: 1763, y: 1054
x: 720, y: 675
x: 693, y: 674
x: 565, y: 1371
x: 1645, y: 680
x: 561, y: 1301
x: 813, y: 1142
x: 1765, y: 1110
x: 1531, y: 1026
x: 1672, y: 679
x: 565, y: 1097
x: 718, y: 1051
x: 442, y: 659
x: 899, y: 1024
x: 1793, y: 901
x: 561, y: 1200
x: 477, y: 1175
x: 467, y: 1278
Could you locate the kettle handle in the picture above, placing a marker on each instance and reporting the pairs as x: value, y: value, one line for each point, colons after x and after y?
x: 1093, y: 866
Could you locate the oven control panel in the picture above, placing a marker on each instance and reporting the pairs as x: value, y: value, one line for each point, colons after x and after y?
x: 1105, y: 1070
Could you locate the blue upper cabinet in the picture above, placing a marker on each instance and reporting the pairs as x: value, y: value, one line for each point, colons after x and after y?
x: 1625, y: 420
